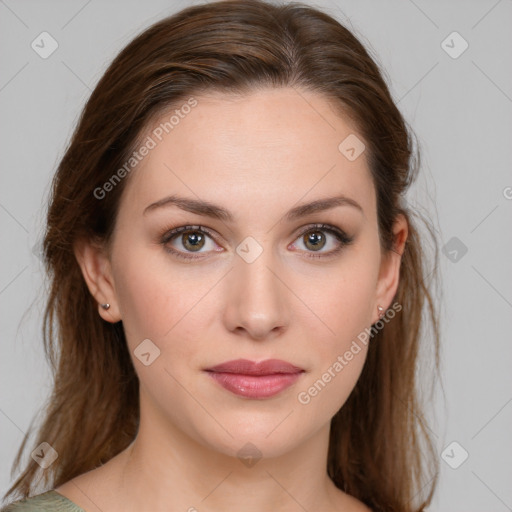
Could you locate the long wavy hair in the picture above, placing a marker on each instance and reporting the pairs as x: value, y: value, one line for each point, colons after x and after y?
x: 381, y: 450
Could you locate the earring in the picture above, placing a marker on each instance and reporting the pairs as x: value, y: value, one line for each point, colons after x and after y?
x: 381, y: 311
x: 105, y: 306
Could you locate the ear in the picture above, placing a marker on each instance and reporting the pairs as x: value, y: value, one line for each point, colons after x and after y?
x: 96, y: 269
x: 389, y: 274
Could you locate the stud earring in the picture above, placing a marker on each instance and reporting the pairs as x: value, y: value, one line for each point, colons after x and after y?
x: 105, y: 306
x: 381, y: 311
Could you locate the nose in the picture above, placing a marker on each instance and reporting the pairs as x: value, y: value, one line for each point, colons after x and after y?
x: 256, y: 298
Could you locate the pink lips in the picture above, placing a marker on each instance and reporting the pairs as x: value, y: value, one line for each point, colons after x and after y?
x: 255, y: 380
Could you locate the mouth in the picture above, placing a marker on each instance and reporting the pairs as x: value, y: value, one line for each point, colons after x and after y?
x: 255, y: 380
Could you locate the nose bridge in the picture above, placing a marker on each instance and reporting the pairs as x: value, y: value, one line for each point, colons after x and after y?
x: 253, y: 268
x: 256, y: 296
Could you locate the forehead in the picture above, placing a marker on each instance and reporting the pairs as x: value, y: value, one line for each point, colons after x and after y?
x: 269, y: 147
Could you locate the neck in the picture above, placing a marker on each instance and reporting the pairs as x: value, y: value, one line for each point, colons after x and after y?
x: 166, y: 469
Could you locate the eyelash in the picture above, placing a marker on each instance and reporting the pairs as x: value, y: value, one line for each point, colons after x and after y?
x: 340, y: 235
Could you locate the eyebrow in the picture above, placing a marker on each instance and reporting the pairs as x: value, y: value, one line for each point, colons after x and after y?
x: 208, y: 209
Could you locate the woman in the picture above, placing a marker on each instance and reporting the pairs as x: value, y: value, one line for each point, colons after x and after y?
x: 237, y: 283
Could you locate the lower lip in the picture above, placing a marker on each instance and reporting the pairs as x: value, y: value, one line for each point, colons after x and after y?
x: 253, y: 386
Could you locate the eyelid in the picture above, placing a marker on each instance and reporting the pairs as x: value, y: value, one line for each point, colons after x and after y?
x: 343, y: 239
x: 172, y: 232
x: 341, y: 236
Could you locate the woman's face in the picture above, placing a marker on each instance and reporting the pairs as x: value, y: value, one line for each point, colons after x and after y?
x: 257, y: 283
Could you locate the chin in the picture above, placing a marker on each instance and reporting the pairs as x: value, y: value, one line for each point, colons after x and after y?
x: 268, y: 438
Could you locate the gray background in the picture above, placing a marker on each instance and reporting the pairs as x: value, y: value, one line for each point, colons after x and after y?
x: 460, y: 108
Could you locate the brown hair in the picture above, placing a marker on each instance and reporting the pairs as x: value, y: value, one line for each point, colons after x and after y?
x: 380, y: 450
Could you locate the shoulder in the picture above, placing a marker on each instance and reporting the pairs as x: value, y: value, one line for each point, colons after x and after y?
x: 49, y: 501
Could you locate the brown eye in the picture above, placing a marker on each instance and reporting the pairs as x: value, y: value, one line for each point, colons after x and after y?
x: 314, y: 240
x: 319, y: 236
x: 186, y: 240
x: 193, y: 240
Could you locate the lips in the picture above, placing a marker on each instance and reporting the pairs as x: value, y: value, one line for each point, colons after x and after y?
x: 255, y: 380
x: 246, y: 367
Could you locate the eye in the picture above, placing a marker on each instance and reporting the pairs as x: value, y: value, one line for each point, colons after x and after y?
x: 192, y: 240
x: 314, y: 240
x: 184, y: 241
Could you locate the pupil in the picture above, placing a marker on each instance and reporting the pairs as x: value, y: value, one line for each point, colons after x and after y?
x: 193, y: 240
x: 315, y: 239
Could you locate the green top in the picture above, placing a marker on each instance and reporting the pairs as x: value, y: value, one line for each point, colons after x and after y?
x: 49, y: 501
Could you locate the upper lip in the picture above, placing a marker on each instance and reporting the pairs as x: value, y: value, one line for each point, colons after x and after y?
x: 246, y: 367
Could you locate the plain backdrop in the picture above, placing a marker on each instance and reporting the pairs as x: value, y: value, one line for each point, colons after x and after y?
x: 458, y: 101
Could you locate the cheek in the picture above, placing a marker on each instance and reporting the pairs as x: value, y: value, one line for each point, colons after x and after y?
x: 340, y: 301
x: 325, y: 392
x: 336, y: 353
x: 342, y: 306
x: 161, y: 301
x: 150, y: 301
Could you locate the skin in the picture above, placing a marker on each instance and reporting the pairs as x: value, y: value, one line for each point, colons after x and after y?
x: 257, y: 156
